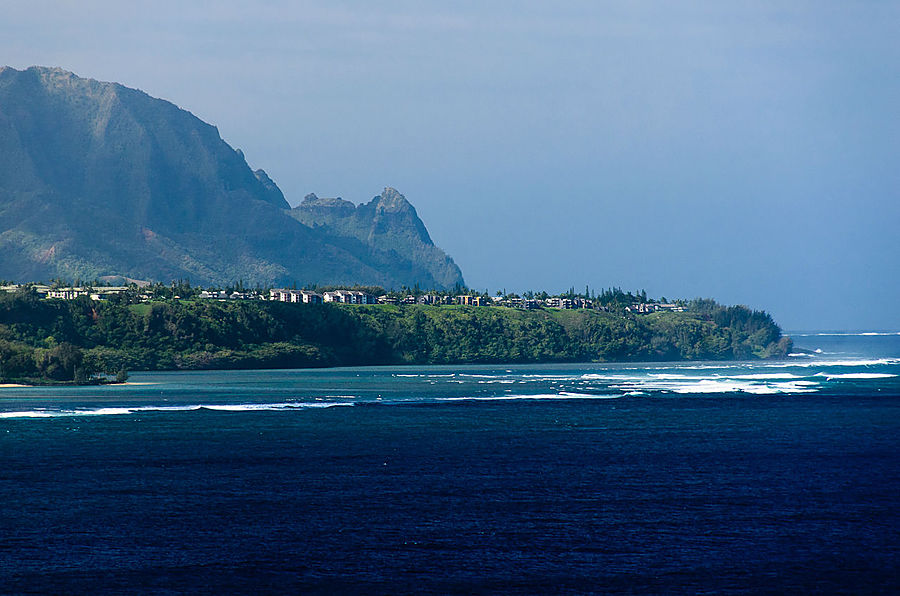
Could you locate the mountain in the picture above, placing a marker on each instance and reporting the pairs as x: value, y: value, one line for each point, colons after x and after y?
x: 98, y: 179
x: 388, y: 224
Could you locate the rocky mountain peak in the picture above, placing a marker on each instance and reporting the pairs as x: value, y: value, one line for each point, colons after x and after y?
x: 312, y: 201
x: 388, y: 223
x: 391, y: 200
x: 99, y: 179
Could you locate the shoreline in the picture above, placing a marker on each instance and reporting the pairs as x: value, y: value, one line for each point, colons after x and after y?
x: 392, y: 365
x: 64, y: 384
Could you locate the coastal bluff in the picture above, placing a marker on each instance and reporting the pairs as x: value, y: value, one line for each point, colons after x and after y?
x: 110, y: 336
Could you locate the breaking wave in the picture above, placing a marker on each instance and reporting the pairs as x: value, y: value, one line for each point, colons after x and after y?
x: 827, y: 363
x: 120, y: 411
x: 535, y: 396
x: 829, y: 374
x: 716, y: 385
x: 840, y: 334
x: 857, y: 376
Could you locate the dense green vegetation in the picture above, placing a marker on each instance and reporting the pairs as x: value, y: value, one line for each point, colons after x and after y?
x: 76, y: 339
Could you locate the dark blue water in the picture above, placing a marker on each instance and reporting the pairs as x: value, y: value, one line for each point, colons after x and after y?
x: 556, y: 479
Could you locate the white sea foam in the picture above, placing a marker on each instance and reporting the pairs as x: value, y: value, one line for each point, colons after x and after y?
x: 244, y: 407
x: 27, y: 414
x: 701, y: 385
x: 724, y: 382
x: 710, y: 366
x: 826, y: 363
x: 274, y: 407
x: 840, y: 334
x: 744, y: 379
x: 724, y: 386
x: 599, y: 377
x: 105, y: 412
x: 188, y: 408
x: 550, y: 377
x: 857, y: 376
x: 534, y: 396
x: 765, y: 376
x: 796, y: 387
x: 756, y: 378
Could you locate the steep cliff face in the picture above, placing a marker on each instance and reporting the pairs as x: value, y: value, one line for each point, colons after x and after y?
x: 99, y: 179
x: 388, y: 224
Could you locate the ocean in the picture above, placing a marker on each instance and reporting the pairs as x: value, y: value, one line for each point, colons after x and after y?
x: 699, y: 477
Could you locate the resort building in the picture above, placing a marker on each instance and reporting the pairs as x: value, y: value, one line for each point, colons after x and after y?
x: 213, y: 295
x: 433, y: 299
x: 349, y: 297
x: 472, y: 300
x: 107, y: 293
x: 646, y: 308
x: 298, y: 296
x: 67, y: 293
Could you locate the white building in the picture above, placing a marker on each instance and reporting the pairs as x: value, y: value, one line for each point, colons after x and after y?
x: 349, y: 297
x: 67, y: 293
x: 298, y: 296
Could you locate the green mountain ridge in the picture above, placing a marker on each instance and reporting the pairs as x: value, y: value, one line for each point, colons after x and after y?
x: 98, y: 179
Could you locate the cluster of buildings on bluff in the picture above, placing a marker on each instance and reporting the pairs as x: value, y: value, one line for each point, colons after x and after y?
x: 70, y: 293
x: 359, y: 297
x: 354, y: 297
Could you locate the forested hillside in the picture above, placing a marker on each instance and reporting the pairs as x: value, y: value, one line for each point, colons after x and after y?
x: 59, y: 340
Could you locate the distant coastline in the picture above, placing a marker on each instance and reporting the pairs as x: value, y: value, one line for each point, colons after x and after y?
x: 87, y: 341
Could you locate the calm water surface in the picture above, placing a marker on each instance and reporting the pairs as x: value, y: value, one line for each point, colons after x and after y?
x: 698, y: 477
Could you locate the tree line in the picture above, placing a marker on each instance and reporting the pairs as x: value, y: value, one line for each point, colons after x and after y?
x: 82, y: 340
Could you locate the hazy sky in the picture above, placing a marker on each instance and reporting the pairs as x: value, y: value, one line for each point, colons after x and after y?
x: 747, y: 151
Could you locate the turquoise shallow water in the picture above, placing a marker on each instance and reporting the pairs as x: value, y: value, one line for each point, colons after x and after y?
x: 847, y: 365
x: 734, y: 477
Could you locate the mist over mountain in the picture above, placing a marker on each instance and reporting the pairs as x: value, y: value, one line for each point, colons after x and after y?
x: 98, y: 179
